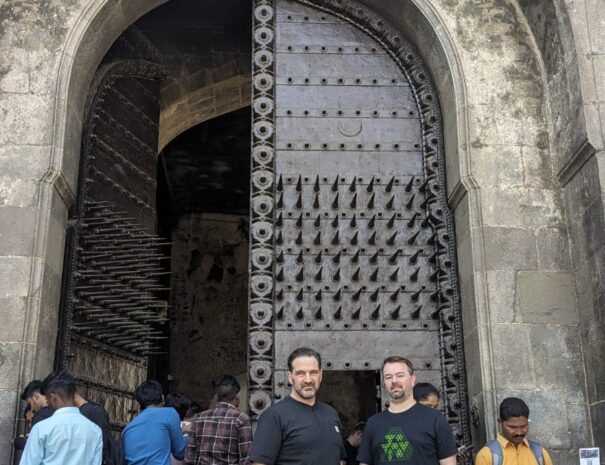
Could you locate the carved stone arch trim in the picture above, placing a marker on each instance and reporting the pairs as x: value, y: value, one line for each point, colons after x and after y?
x: 440, y: 215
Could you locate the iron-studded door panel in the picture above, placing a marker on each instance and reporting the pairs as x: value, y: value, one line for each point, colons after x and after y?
x: 112, y: 314
x: 349, y: 198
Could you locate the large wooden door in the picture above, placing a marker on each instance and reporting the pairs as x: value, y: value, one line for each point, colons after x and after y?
x: 112, y: 310
x: 352, y: 239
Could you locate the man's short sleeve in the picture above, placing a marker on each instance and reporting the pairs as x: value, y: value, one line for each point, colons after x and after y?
x: 267, y: 439
x: 364, y: 453
x: 446, y: 444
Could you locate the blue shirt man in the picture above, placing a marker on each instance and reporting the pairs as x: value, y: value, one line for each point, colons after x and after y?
x: 67, y: 437
x: 155, y: 434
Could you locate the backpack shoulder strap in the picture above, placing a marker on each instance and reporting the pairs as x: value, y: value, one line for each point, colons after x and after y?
x: 496, y: 450
x: 536, y: 449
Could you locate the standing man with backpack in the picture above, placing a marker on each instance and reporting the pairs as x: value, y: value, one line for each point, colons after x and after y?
x: 511, y: 446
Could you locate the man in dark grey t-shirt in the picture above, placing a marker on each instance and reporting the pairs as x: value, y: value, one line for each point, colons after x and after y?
x: 407, y: 433
x: 299, y: 430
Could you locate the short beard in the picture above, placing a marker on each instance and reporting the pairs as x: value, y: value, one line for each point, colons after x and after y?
x: 399, y: 397
x: 305, y: 394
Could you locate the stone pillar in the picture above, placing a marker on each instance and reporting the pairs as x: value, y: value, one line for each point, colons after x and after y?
x: 583, y: 175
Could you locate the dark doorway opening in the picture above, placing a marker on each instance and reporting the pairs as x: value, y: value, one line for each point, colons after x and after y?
x: 354, y: 394
x: 203, y: 203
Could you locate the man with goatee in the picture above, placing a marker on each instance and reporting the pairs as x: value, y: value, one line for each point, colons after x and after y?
x: 408, y: 433
x: 299, y: 430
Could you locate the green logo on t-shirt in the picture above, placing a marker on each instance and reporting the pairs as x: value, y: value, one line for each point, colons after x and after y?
x: 395, y: 446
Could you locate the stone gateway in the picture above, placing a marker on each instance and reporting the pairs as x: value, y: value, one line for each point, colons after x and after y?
x: 189, y: 186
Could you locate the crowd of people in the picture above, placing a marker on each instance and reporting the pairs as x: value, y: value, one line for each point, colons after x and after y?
x: 67, y: 429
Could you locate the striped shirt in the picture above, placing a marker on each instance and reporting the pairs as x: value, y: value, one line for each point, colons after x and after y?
x: 220, y: 435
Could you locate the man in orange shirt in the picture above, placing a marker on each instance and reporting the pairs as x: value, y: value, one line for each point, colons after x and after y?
x: 511, y: 446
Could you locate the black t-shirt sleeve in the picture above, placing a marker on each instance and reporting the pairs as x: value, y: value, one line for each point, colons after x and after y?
x: 364, y: 453
x: 446, y: 444
x: 267, y: 439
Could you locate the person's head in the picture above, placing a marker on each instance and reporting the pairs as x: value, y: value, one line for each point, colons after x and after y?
x: 179, y: 402
x: 514, y: 419
x: 32, y: 395
x: 426, y: 394
x: 149, y: 394
x: 59, y: 388
x: 193, y: 410
x: 399, y: 378
x: 304, y: 373
x: 226, y: 389
x: 356, y: 435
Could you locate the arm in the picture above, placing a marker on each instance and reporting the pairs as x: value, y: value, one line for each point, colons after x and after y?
x: 192, y: 447
x: 34, y: 449
x: 244, y: 439
x: 267, y: 441
x: 178, y: 442
x: 448, y: 460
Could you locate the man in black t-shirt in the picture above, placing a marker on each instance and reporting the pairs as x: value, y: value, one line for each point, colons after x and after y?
x: 299, y: 430
x: 32, y: 394
x: 112, y: 455
x: 407, y: 433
